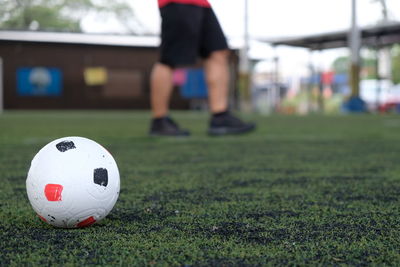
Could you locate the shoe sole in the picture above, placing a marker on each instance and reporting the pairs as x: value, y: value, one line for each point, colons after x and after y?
x: 230, y: 131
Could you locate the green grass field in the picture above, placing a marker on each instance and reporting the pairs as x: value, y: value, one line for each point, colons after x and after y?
x: 308, y: 190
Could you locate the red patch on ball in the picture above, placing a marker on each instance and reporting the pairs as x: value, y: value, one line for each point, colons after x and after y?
x: 53, y: 192
x: 87, y: 222
x: 43, y: 219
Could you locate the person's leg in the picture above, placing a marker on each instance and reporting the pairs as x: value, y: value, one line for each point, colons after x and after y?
x: 214, y: 50
x: 180, y: 32
x: 161, y: 88
x: 217, y: 76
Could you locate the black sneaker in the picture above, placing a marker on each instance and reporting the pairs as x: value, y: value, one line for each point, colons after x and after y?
x: 228, y: 124
x: 166, y: 127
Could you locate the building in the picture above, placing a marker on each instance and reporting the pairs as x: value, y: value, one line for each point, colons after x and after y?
x: 47, y: 70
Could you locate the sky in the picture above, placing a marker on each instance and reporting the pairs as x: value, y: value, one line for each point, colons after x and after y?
x: 271, y: 19
x: 276, y: 18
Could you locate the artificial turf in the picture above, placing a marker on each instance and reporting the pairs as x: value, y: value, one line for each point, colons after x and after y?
x: 312, y: 190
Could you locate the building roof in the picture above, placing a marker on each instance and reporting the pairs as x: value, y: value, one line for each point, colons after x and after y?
x: 380, y: 35
x: 80, y: 38
x: 150, y: 41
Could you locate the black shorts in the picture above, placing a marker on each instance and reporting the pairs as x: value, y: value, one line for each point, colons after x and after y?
x: 187, y: 32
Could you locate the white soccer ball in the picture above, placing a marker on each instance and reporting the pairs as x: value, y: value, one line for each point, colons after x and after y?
x: 73, y: 182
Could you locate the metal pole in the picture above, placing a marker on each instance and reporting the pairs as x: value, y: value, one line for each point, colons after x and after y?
x: 385, y: 64
x: 246, y: 35
x: 378, y: 78
x: 384, y: 10
x: 310, y: 82
x: 276, y: 86
x: 244, y: 65
x: 355, y: 44
x: 245, y: 51
x: 1, y: 87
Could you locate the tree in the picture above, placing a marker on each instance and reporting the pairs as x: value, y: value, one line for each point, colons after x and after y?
x: 341, y: 65
x: 368, y: 63
x: 396, y: 64
x: 61, y: 15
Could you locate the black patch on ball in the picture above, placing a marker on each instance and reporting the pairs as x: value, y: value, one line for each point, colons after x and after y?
x: 100, y: 176
x: 65, y: 145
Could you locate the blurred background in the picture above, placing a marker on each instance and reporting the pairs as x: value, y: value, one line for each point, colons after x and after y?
x: 291, y: 57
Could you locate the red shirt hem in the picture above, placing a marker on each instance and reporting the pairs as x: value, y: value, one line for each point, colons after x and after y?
x: 202, y: 3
